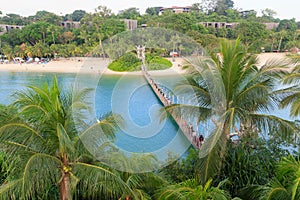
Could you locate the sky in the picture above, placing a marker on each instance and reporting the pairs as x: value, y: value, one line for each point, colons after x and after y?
x: 285, y: 9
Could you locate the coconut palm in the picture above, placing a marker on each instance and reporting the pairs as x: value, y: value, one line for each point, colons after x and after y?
x: 191, y: 190
x: 43, y: 145
x: 282, y: 34
x: 230, y: 90
x: 292, y: 92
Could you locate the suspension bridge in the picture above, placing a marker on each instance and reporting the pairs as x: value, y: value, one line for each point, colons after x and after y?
x: 188, y: 130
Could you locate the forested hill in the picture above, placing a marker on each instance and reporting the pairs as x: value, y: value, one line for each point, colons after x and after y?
x: 46, y: 34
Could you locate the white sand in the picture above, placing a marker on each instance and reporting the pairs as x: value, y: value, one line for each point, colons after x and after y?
x: 99, y: 66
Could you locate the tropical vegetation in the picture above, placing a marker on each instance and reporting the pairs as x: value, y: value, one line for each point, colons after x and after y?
x: 44, y: 35
x: 48, y: 144
x: 44, y: 140
x: 130, y: 62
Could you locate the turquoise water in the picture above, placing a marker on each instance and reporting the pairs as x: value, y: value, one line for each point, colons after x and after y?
x: 130, y: 96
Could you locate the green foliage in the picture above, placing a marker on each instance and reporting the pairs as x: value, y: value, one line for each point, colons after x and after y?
x: 101, y: 25
x: 3, y: 169
x: 223, y: 5
x: 37, y: 32
x: 233, y: 87
x: 76, y: 16
x: 291, y: 98
x: 13, y: 19
x: 157, y: 63
x: 251, y: 33
x: 13, y: 38
x: 127, y: 62
x: 181, y: 22
x: 153, y: 10
x: 285, y: 184
x: 192, y: 190
x: 182, y: 169
x: 111, y: 27
x: 130, y: 13
x: 250, y: 162
x: 48, y: 17
x: 130, y: 62
x: 268, y: 14
x: 287, y: 25
x: 222, y: 32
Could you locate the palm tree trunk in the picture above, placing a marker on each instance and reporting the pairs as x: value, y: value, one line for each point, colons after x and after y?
x: 272, y: 46
x: 279, y: 45
x: 44, y: 38
x: 53, y: 38
x: 102, y: 49
x: 64, y: 186
x: 101, y: 46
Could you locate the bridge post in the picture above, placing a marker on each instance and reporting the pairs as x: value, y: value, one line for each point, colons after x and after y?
x: 140, y: 50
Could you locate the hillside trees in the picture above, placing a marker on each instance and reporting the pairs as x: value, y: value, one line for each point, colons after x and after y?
x: 251, y: 33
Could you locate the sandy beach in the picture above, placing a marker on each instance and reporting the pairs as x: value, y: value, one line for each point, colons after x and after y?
x: 99, y: 66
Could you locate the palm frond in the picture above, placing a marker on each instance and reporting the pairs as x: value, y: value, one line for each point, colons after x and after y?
x: 270, y: 123
x: 11, y: 190
x: 275, y: 68
x: 65, y: 143
x: 26, y: 136
x: 101, y: 132
x: 211, y: 154
x: 276, y: 189
x: 41, y: 172
x: 292, y: 100
x: 98, y: 180
x: 193, y: 111
x: 191, y: 190
x: 208, y: 71
x: 293, y: 78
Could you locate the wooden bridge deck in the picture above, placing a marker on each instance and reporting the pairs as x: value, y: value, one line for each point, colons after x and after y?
x: 187, y: 131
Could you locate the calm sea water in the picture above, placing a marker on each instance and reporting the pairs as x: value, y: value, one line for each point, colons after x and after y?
x: 129, y: 96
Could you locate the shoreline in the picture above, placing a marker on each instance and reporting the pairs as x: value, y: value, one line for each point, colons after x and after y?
x: 84, y: 66
x: 99, y: 66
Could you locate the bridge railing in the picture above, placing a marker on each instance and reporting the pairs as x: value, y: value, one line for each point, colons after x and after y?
x: 194, y: 138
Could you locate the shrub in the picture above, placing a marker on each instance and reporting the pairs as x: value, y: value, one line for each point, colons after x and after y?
x: 127, y: 62
x: 130, y: 62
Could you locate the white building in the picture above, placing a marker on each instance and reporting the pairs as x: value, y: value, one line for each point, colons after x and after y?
x: 176, y: 9
x: 4, y: 28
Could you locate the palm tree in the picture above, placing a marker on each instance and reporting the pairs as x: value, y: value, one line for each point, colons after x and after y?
x: 282, y: 34
x: 231, y: 90
x: 191, y: 190
x: 43, y: 145
x: 54, y: 32
x: 272, y: 37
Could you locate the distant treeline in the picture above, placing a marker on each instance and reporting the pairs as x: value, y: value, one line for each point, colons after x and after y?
x: 44, y: 36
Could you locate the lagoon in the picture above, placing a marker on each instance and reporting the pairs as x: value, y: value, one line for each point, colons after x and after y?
x: 128, y: 95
